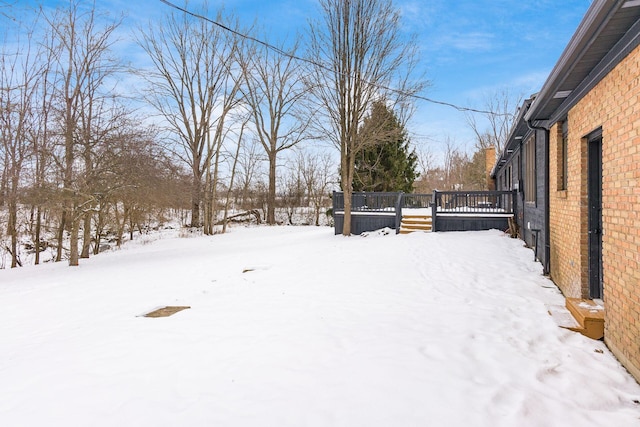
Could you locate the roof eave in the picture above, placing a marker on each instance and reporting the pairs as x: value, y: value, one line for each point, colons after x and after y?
x: 589, y: 27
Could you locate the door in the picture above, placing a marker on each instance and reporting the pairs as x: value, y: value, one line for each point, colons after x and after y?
x: 594, y: 188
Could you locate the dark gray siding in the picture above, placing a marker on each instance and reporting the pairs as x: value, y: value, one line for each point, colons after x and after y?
x: 531, y: 217
x: 534, y: 215
x: 471, y: 223
x: 362, y: 222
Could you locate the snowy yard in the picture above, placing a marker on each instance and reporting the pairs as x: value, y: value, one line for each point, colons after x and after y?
x: 293, y: 326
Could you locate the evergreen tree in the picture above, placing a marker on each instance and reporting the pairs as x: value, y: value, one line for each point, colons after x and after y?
x: 386, y: 163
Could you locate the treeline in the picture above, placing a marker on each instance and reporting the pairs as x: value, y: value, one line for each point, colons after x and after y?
x: 92, y: 146
x: 459, y: 170
x: 74, y: 157
x: 82, y: 155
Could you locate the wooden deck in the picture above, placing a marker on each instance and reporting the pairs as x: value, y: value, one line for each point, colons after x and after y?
x: 448, y: 211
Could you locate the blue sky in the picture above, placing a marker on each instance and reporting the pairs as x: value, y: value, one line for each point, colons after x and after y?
x: 469, y: 48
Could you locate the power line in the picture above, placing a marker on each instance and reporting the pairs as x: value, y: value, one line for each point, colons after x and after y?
x: 324, y: 67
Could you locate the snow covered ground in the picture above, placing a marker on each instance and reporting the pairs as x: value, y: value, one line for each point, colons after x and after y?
x: 293, y: 326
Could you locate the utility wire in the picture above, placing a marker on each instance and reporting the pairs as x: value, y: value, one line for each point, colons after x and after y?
x: 324, y: 67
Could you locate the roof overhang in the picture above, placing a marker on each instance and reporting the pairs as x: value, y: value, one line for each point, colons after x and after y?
x: 608, y: 32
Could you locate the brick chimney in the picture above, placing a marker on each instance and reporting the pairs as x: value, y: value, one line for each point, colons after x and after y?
x: 489, y: 162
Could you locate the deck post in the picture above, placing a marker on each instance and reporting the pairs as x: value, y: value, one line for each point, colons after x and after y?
x: 338, y: 205
x: 434, y: 211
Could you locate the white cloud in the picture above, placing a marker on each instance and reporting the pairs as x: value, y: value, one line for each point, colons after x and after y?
x: 472, y: 42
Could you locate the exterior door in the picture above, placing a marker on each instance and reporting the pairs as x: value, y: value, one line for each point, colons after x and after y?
x: 594, y: 188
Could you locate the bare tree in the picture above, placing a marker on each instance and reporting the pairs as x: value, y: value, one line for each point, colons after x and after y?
x: 83, y: 66
x: 100, y: 123
x: 5, y: 9
x: 235, y: 157
x: 317, y: 171
x: 274, y: 92
x: 360, y: 53
x: 42, y: 137
x: 4, y: 177
x: 192, y: 67
x: 292, y: 193
x: 494, y: 130
x: 138, y: 180
x: 225, y: 125
x: 426, y: 159
x: 248, y: 170
x: 19, y: 76
x: 455, y: 166
x: 4, y: 166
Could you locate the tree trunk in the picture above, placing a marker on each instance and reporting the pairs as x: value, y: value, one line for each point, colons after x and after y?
x: 208, y: 203
x: 86, y: 235
x: 131, y: 226
x: 99, y: 226
x: 119, y: 224
x: 37, y: 234
x: 73, y: 245
x: 196, y: 194
x: 3, y: 183
x: 346, y: 226
x: 271, y: 192
x: 97, y: 238
x: 13, y: 230
x: 347, y: 169
x: 233, y: 175
x: 214, y: 186
x: 60, y: 235
x: 68, y: 171
x: 316, y: 208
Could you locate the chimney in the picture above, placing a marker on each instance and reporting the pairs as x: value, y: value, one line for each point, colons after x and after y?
x: 489, y: 162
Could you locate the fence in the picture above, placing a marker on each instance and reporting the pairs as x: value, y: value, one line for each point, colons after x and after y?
x: 450, y: 210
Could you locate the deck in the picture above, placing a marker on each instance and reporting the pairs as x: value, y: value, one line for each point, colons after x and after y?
x: 443, y: 210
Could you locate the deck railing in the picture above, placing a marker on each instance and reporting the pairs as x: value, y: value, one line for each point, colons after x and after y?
x: 441, y: 203
x: 369, y: 211
x: 474, y: 202
x: 382, y: 202
x: 417, y: 201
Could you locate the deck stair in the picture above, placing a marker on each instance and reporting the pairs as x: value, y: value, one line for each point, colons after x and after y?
x: 589, y: 316
x: 411, y: 223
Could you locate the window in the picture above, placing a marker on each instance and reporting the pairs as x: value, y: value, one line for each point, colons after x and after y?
x: 530, y: 184
x: 563, y: 137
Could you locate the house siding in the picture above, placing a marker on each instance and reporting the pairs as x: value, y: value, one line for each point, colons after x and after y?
x: 530, y: 216
x: 613, y: 105
x: 534, y: 213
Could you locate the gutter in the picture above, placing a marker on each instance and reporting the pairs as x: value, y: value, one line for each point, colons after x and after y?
x: 594, y: 20
x: 620, y: 50
x: 547, y: 233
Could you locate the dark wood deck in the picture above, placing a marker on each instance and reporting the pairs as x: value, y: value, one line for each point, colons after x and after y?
x: 449, y: 210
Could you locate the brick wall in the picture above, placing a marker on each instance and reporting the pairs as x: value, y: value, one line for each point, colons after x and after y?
x: 614, y: 105
x: 566, y: 224
x: 560, y: 268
